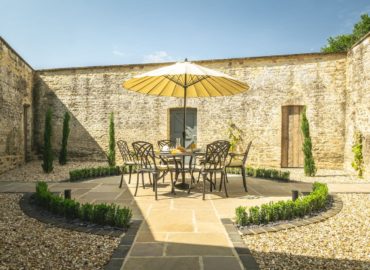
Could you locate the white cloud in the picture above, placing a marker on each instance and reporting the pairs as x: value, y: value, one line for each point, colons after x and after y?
x: 157, y: 57
x: 119, y: 53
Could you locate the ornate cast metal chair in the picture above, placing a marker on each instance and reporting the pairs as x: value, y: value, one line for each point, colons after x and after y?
x: 169, y: 143
x: 214, y: 162
x: 147, y: 163
x: 129, y: 159
x: 240, y: 163
x: 171, y: 161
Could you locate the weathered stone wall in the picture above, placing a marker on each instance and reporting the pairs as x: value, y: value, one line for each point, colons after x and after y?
x: 358, y: 101
x: 16, y: 78
x: 90, y: 94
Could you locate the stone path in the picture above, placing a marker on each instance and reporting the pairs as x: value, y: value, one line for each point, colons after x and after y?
x: 181, y: 231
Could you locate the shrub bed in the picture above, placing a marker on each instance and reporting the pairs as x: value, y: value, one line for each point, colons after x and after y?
x: 263, y: 173
x: 102, y: 214
x: 284, y: 210
x: 86, y: 173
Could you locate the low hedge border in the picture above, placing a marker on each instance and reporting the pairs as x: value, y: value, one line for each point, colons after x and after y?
x: 88, y: 173
x: 335, y: 208
x: 263, y: 173
x: 101, y: 214
x: 316, y: 201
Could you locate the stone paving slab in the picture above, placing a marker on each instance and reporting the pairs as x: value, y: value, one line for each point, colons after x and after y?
x: 163, y: 263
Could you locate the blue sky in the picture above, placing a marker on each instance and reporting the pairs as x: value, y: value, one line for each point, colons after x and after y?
x: 51, y: 33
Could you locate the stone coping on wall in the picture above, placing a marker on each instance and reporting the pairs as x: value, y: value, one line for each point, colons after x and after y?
x: 334, y: 209
x: 239, y: 60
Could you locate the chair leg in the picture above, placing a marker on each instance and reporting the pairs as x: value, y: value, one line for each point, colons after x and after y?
x: 220, y: 188
x: 120, y: 184
x: 130, y: 172
x: 142, y: 180
x: 224, y: 180
x: 172, y: 185
x: 204, y: 174
x: 155, y: 176
x: 244, y: 179
x: 137, y: 183
x: 150, y: 179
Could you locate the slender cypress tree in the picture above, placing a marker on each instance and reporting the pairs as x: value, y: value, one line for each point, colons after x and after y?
x: 309, y: 163
x: 112, y: 143
x: 47, y: 165
x: 66, y: 131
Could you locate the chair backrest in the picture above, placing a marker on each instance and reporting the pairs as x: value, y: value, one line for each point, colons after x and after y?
x: 216, y: 154
x: 169, y: 143
x: 246, y: 153
x: 125, y: 151
x: 144, y: 153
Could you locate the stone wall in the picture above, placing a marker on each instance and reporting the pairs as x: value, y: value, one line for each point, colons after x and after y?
x: 90, y: 94
x: 16, y: 78
x: 358, y: 101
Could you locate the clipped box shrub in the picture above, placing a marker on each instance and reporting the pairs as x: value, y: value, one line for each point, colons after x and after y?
x: 88, y: 173
x: 102, y: 214
x: 284, y: 210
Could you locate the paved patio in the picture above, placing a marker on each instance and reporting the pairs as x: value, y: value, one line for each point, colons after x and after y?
x: 180, y: 231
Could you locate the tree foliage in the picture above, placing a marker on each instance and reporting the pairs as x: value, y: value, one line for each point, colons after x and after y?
x: 343, y: 43
x: 66, y: 131
x: 112, y: 142
x: 309, y: 162
x: 47, y: 156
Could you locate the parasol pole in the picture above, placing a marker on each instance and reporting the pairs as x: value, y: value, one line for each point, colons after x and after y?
x: 184, y: 127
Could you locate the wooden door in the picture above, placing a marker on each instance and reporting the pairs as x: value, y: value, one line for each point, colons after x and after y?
x: 176, y: 124
x: 291, y: 137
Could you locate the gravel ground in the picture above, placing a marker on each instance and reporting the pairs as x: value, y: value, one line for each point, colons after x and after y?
x: 341, y: 242
x: 26, y: 243
x: 32, y: 171
x: 326, y: 176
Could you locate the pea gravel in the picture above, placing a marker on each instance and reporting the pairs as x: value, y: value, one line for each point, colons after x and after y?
x: 341, y: 242
x: 26, y: 243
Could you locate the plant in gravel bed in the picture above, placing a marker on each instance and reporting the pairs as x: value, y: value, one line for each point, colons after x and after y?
x: 123, y: 216
x: 100, y: 211
x: 66, y: 130
x: 71, y: 208
x: 309, y: 162
x: 112, y: 142
x: 102, y: 214
x: 241, y: 216
x: 284, y: 210
x: 47, y: 154
x: 86, y: 211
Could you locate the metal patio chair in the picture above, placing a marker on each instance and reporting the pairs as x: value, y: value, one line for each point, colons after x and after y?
x: 146, y: 161
x: 128, y: 157
x: 214, y: 162
x: 237, y: 163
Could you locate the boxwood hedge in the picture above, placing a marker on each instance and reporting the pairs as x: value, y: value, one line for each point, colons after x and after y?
x: 103, y: 214
x: 284, y: 210
x: 263, y: 173
x: 86, y: 173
